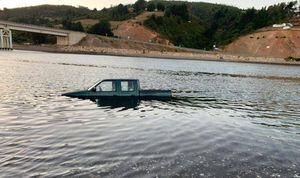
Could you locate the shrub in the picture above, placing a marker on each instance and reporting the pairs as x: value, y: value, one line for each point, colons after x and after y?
x: 151, y: 7
x: 101, y: 28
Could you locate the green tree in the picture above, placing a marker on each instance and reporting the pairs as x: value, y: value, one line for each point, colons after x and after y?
x: 180, y: 10
x: 160, y: 6
x: 181, y: 33
x: 77, y: 26
x: 101, y: 28
x: 151, y: 6
x: 246, y: 18
x: 261, y: 19
x: 119, y: 12
x: 139, y: 5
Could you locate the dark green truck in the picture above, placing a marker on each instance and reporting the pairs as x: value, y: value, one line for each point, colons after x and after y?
x: 120, y: 88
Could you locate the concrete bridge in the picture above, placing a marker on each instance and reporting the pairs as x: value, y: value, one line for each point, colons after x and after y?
x: 64, y: 37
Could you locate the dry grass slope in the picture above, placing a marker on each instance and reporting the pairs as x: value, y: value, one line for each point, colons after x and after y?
x: 269, y: 42
x: 135, y: 30
x: 132, y: 29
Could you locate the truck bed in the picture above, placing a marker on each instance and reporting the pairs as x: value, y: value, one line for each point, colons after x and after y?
x: 155, y: 94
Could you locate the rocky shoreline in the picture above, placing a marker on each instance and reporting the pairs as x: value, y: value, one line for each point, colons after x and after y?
x: 209, y: 56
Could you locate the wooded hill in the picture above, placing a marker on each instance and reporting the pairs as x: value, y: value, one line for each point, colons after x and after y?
x: 187, y: 24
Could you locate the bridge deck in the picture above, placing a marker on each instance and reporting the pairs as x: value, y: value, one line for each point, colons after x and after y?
x: 33, y: 28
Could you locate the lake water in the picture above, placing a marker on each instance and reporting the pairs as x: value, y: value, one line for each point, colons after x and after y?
x: 227, y: 120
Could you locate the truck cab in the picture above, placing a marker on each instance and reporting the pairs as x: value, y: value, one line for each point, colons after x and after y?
x: 117, y: 87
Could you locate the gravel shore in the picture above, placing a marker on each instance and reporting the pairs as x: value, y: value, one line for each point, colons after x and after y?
x: 212, y: 56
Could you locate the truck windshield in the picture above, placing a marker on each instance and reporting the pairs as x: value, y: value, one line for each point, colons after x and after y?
x: 93, y: 86
x: 103, y: 86
x: 106, y: 86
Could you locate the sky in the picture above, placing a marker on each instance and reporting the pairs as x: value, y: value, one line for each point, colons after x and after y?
x: 99, y: 4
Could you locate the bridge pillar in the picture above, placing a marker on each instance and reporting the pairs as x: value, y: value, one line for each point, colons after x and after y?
x: 1, y: 39
x: 6, y: 39
x: 10, y: 40
x: 72, y: 38
x: 62, y: 40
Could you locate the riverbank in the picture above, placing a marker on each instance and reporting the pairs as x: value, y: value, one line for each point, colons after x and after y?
x: 190, y: 55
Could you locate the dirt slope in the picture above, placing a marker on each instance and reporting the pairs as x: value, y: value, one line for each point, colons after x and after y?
x: 88, y: 22
x: 269, y: 42
x: 133, y: 29
x: 114, y: 43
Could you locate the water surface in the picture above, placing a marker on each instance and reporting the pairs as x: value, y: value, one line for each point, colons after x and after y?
x: 228, y: 119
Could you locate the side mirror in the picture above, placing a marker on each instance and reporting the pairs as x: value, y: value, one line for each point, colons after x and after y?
x: 93, y: 89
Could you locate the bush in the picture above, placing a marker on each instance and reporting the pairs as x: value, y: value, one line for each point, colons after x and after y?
x: 291, y: 59
x: 160, y: 6
x: 151, y: 7
x: 178, y: 10
x: 101, y: 28
x: 139, y: 6
x: 68, y: 25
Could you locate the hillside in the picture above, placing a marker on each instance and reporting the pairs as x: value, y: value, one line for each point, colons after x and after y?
x: 204, y: 25
x: 269, y: 42
x: 186, y: 24
x: 106, y: 42
x: 46, y: 15
x: 134, y: 29
x: 50, y: 15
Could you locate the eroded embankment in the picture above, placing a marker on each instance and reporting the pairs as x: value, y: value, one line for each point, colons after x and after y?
x: 268, y: 42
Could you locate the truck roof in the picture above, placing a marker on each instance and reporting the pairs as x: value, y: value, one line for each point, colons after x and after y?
x: 120, y: 80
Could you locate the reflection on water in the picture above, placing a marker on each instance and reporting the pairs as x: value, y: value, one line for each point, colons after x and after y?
x: 226, y: 120
x: 117, y: 103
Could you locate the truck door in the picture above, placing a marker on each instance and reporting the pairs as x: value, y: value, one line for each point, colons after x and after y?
x: 107, y: 88
x: 129, y: 88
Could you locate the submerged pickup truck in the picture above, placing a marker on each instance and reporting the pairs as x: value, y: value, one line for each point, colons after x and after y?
x: 120, y: 88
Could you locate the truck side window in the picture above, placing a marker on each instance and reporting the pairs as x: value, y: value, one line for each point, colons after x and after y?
x: 106, y: 86
x: 127, y: 86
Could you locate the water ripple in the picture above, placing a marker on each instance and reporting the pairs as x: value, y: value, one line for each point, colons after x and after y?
x: 231, y: 120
